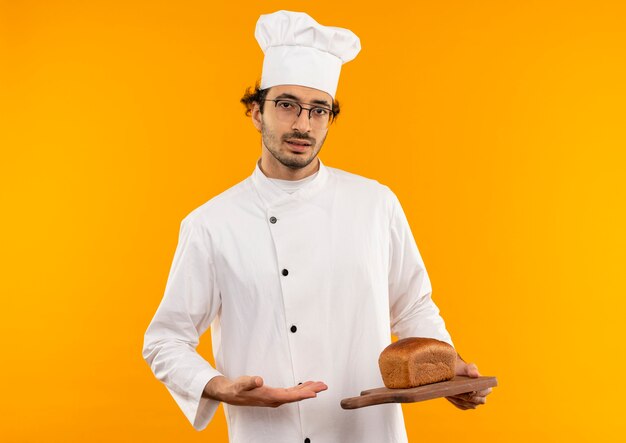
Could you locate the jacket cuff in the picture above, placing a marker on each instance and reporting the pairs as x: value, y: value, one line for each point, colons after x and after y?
x: 200, y: 410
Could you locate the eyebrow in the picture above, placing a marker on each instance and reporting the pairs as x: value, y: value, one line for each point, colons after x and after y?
x: 293, y: 97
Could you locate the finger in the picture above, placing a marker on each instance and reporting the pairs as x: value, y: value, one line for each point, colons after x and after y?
x: 311, y: 385
x: 310, y: 389
x: 467, y: 399
x: 464, y: 395
x: 460, y: 397
x: 318, y: 386
x: 463, y: 404
x: 472, y: 370
x: 484, y: 393
x: 300, y: 386
x: 457, y: 403
x: 471, y: 398
x: 288, y: 396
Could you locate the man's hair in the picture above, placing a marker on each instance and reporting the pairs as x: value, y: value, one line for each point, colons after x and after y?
x: 258, y: 95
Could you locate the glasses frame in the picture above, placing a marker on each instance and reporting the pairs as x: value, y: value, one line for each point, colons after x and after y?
x: 330, y: 119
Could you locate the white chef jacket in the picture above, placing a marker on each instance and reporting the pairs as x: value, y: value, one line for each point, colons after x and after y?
x: 291, y: 186
x: 295, y: 287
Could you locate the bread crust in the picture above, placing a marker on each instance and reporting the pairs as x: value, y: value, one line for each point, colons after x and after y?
x: 416, y: 361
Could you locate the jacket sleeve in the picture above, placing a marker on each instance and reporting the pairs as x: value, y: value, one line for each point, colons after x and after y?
x: 190, y: 302
x: 413, y: 313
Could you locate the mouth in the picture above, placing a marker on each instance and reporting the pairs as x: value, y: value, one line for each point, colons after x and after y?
x: 298, y: 145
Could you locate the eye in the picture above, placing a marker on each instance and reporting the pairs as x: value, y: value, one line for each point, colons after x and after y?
x: 320, y: 112
x: 285, y: 105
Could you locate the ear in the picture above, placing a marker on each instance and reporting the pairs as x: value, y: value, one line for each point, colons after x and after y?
x: 255, y: 113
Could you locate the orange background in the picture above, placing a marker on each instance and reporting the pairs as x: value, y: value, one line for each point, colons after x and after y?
x: 500, y: 126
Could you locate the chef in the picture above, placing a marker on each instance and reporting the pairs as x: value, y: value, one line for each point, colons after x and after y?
x: 302, y: 271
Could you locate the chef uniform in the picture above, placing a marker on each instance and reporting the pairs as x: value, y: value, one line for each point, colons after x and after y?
x: 296, y: 284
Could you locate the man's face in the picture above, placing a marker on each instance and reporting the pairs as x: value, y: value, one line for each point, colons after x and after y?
x: 295, y: 144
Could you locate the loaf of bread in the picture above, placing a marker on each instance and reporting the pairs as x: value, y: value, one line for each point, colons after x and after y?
x: 416, y: 361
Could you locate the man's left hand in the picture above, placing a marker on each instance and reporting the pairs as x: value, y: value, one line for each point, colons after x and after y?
x: 470, y: 400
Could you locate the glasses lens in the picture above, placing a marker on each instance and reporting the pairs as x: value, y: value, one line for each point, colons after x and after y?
x: 320, y: 118
x: 287, y: 111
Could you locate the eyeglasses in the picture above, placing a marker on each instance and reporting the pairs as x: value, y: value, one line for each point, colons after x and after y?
x: 288, y: 111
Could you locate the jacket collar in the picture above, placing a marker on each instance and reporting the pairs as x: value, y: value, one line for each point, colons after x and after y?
x: 273, y: 195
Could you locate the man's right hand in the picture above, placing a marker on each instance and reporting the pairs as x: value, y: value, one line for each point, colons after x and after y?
x: 250, y: 391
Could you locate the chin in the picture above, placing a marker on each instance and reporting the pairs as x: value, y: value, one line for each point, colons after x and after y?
x: 296, y: 161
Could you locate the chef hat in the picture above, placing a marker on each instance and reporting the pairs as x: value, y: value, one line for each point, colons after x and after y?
x: 300, y: 51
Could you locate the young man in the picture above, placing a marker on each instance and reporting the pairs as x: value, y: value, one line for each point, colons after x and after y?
x: 302, y: 271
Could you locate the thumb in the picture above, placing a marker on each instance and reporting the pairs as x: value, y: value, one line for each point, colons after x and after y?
x: 471, y: 370
x: 250, y: 383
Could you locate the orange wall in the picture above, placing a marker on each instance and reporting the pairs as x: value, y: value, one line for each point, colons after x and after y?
x: 500, y: 125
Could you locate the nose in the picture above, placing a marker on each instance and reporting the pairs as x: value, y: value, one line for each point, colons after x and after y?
x: 302, y: 122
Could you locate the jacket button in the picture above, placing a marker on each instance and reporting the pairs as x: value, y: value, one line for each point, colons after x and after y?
x: 273, y: 220
x: 285, y: 272
x: 293, y: 328
x: 307, y: 440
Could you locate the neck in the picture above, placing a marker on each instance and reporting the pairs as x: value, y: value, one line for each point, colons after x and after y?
x: 272, y: 168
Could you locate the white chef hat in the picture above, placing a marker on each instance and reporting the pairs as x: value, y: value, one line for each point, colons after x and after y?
x: 300, y: 51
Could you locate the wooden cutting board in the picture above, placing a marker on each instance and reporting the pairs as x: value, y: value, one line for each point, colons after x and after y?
x: 458, y: 385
